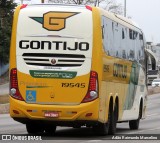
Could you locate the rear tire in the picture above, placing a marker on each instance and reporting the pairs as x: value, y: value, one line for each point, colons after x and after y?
x: 112, y: 120
x: 101, y: 129
x: 134, y: 124
x: 33, y: 128
x: 50, y: 129
x: 110, y: 127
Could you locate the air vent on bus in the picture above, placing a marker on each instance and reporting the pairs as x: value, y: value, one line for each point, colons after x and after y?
x: 53, y: 60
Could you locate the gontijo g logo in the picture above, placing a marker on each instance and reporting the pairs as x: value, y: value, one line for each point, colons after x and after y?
x: 54, y: 21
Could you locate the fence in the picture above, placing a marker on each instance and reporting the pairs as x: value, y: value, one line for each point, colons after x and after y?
x: 3, y: 73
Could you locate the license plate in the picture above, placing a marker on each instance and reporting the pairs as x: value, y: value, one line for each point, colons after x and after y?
x: 51, y: 114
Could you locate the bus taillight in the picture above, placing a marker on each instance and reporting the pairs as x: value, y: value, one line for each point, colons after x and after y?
x: 92, y: 93
x: 14, y: 91
x: 23, y: 6
x: 89, y: 7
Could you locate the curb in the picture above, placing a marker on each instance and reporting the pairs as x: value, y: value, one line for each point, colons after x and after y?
x: 154, y: 90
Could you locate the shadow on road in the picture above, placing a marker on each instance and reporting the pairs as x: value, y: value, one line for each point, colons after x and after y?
x: 80, y: 134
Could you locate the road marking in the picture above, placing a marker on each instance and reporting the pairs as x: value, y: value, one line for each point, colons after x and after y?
x: 155, y: 114
x: 151, y: 104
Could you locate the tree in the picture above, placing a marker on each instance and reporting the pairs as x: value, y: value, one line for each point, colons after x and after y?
x: 6, y: 17
x: 110, y: 5
x: 78, y: 2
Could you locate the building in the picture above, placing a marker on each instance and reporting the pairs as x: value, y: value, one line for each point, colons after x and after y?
x: 153, y: 62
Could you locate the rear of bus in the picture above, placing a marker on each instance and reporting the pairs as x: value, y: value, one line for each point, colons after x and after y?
x: 51, y: 75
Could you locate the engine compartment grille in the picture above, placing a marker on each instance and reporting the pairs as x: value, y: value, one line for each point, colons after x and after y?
x: 61, y: 60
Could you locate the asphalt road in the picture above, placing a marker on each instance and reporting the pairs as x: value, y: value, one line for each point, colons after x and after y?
x: 150, y: 125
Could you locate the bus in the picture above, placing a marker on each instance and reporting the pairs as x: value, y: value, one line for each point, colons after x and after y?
x: 151, y: 75
x: 76, y: 66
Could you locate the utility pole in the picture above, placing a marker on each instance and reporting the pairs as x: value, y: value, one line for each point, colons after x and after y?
x: 124, y: 8
x: 96, y: 3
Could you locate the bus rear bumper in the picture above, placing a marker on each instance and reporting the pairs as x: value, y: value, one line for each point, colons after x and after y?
x: 24, y: 112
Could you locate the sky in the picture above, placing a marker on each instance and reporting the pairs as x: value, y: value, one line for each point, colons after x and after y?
x: 146, y: 13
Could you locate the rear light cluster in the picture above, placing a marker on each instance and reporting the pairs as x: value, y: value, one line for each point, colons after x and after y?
x: 23, y: 6
x: 89, y: 7
x: 14, y: 91
x: 92, y: 93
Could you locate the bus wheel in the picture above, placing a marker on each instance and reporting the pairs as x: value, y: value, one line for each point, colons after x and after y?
x: 33, y: 128
x: 101, y: 129
x: 50, y: 129
x: 134, y: 124
x: 112, y: 120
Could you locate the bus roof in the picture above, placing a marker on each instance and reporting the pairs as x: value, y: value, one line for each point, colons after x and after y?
x: 122, y: 20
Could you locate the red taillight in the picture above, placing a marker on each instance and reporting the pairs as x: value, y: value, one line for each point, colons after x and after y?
x: 13, y: 77
x: 14, y: 91
x: 92, y: 93
x: 89, y: 7
x: 93, y: 81
x: 23, y: 6
x: 15, y: 112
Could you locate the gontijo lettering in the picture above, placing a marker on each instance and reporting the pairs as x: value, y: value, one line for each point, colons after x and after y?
x: 53, y: 45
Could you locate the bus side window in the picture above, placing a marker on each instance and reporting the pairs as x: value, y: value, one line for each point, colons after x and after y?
x: 123, y: 36
x: 135, y: 34
x: 140, y: 37
x: 103, y: 32
x: 124, y: 54
x: 130, y: 34
x: 131, y: 55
